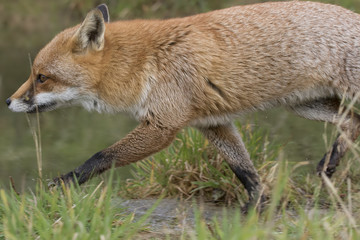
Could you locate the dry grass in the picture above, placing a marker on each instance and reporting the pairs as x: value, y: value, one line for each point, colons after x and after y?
x: 192, y: 167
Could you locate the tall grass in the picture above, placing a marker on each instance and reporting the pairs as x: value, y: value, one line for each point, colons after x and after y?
x: 298, y: 222
x: 36, y: 132
x: 301, y: 206
x: 68, y: 213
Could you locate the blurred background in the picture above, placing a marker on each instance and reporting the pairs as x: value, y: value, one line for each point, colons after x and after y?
x: 72, y: 135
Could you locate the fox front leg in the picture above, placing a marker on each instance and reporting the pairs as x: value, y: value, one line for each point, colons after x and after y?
x: 142, y: 142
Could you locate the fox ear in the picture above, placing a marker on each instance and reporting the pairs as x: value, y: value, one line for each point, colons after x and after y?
x: 105, y: 12
x: 90, y: 34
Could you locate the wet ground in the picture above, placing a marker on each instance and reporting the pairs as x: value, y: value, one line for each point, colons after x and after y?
x: 171, y: 217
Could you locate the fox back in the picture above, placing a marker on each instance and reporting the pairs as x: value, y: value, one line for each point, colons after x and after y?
x: 214, y: 64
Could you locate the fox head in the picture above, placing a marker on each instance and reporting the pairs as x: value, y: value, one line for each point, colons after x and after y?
x: 61, y: 74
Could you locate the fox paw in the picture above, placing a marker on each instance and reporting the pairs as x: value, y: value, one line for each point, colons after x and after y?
x: 65, y: 180
x: 55, y: 183
x: 259, y: 205
x: 329, y: 170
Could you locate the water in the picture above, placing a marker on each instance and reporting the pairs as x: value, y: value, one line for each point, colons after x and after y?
x: 69, y: 137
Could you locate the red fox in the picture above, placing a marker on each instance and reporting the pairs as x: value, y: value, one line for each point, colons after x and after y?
x: 202, y: 71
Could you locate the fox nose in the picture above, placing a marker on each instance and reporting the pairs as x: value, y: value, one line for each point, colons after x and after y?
x: 8, y: 101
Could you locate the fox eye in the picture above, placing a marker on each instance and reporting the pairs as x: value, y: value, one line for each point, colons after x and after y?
x: 41, y: 78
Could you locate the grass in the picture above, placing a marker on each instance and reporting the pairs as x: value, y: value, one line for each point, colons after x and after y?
x: 71, y: 213
x: 301, y: 206
x: 192, y: 167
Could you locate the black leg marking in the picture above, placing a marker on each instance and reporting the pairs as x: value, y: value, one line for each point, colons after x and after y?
x: 249, y: 179
x: 334, y: 160
x: 97, y: 164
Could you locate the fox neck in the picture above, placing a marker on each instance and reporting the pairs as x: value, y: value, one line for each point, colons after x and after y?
x: 137, y: 57
x: 122, y: 82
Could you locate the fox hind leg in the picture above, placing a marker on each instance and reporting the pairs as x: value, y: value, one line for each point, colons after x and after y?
x: 327, y: 110
x: 228, y: 142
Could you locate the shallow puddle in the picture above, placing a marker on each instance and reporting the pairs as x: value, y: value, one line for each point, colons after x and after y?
x: 171, y: 216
